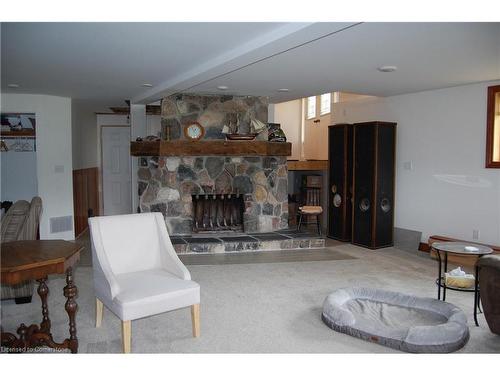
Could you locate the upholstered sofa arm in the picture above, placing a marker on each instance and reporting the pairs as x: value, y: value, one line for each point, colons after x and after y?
x: 492, y: 260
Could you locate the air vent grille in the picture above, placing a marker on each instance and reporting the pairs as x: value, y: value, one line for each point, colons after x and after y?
x: 61, y: 224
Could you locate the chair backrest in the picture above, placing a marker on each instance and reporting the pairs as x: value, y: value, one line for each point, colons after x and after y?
x: 29, y: 231
x: 130, y: 243
x: 13, y: 221
x: 312, y: 196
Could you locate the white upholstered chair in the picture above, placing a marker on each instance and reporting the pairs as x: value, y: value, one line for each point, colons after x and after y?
x: 137, y: 272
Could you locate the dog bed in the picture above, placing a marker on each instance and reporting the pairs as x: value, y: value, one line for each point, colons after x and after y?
x: 400, y: 321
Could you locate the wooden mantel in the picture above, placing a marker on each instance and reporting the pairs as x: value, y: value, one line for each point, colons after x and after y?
x: 216, y: 147
x: 307, y: 165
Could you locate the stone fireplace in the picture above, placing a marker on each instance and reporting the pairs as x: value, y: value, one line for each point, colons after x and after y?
x: 170, y: 182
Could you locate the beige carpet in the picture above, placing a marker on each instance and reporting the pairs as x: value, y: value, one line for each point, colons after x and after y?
x: 258, y: 308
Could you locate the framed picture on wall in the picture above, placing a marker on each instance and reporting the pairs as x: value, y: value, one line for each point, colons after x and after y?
x: 18, y: 124
x: 18, y: 132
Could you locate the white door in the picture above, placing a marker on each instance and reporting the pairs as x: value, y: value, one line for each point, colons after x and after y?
x: 116, y: 171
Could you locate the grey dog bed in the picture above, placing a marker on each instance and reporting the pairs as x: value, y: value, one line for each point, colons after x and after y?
x: 400, y: 321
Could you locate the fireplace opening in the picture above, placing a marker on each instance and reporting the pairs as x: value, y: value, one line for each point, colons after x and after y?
x: 217, y: 212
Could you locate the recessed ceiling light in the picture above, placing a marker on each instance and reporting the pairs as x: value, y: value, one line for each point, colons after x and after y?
x: 147, y: 85
x: 387, y: 68
x: 222, y: 88
x: 13, y: 85
x: 283, y: 90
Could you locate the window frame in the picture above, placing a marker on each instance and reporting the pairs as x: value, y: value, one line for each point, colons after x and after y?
x: 315, y: 107
x: 321, y: 113
x: 492, y: 105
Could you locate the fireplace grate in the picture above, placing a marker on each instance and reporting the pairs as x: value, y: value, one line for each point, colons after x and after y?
x: 217, y: 212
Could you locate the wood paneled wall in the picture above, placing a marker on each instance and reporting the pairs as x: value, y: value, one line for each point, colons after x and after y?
x: 85, y: 197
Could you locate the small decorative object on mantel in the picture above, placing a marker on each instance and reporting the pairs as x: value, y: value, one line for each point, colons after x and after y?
x: 256, y: 127
x: 194, y: 131
x: 275, y: 133
x: 240, y: 137
x: 151, y: 138
x: 230, y: 129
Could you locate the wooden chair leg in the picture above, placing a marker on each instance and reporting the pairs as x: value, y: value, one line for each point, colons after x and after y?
x: 126, y: 335
x: 318, y: 223
x: 195, y: 319
x: 98, y: 312
x: 300, y: 222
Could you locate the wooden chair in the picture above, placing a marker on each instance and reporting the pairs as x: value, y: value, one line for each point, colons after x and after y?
x: 311, y: 207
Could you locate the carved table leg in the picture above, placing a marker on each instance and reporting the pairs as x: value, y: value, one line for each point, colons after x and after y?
x: 43, y: 291
x: 71, y: 307
x: 34, y: 336
x: 22, y: 331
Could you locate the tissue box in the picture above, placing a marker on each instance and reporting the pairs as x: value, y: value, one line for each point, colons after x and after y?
x: 466, y: 281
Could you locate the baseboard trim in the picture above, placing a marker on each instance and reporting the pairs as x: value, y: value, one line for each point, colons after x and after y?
x: 424, y: 247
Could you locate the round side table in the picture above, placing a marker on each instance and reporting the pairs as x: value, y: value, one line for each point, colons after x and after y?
x: 462, y: 248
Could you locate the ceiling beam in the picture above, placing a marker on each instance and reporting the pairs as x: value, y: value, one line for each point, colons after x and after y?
x: 283, y: 38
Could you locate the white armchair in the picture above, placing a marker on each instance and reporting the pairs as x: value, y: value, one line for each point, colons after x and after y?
x: 137, y: 272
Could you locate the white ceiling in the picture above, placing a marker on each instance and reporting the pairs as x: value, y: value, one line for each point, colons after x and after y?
x: 428, y: 56
x: 109, y: 62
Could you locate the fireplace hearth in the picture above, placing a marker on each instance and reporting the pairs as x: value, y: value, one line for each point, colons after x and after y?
x: 217, y: 212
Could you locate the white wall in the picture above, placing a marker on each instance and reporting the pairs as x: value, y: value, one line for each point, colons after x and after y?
x: 153, y: 125
x: 53, y: 140
x: 442, y: 133
x: 315, y: 143
x: 270, y: 112
x: 84, y: 125
x: 19, y: 178
x: 289, y: 115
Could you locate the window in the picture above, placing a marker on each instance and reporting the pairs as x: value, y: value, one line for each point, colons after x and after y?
x: 326, y: 100
x: 311, y: 107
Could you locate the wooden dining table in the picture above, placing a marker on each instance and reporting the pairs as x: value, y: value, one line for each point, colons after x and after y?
x: 36, y: 260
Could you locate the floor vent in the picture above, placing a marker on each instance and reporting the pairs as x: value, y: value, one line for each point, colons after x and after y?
x: 61, y: 224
